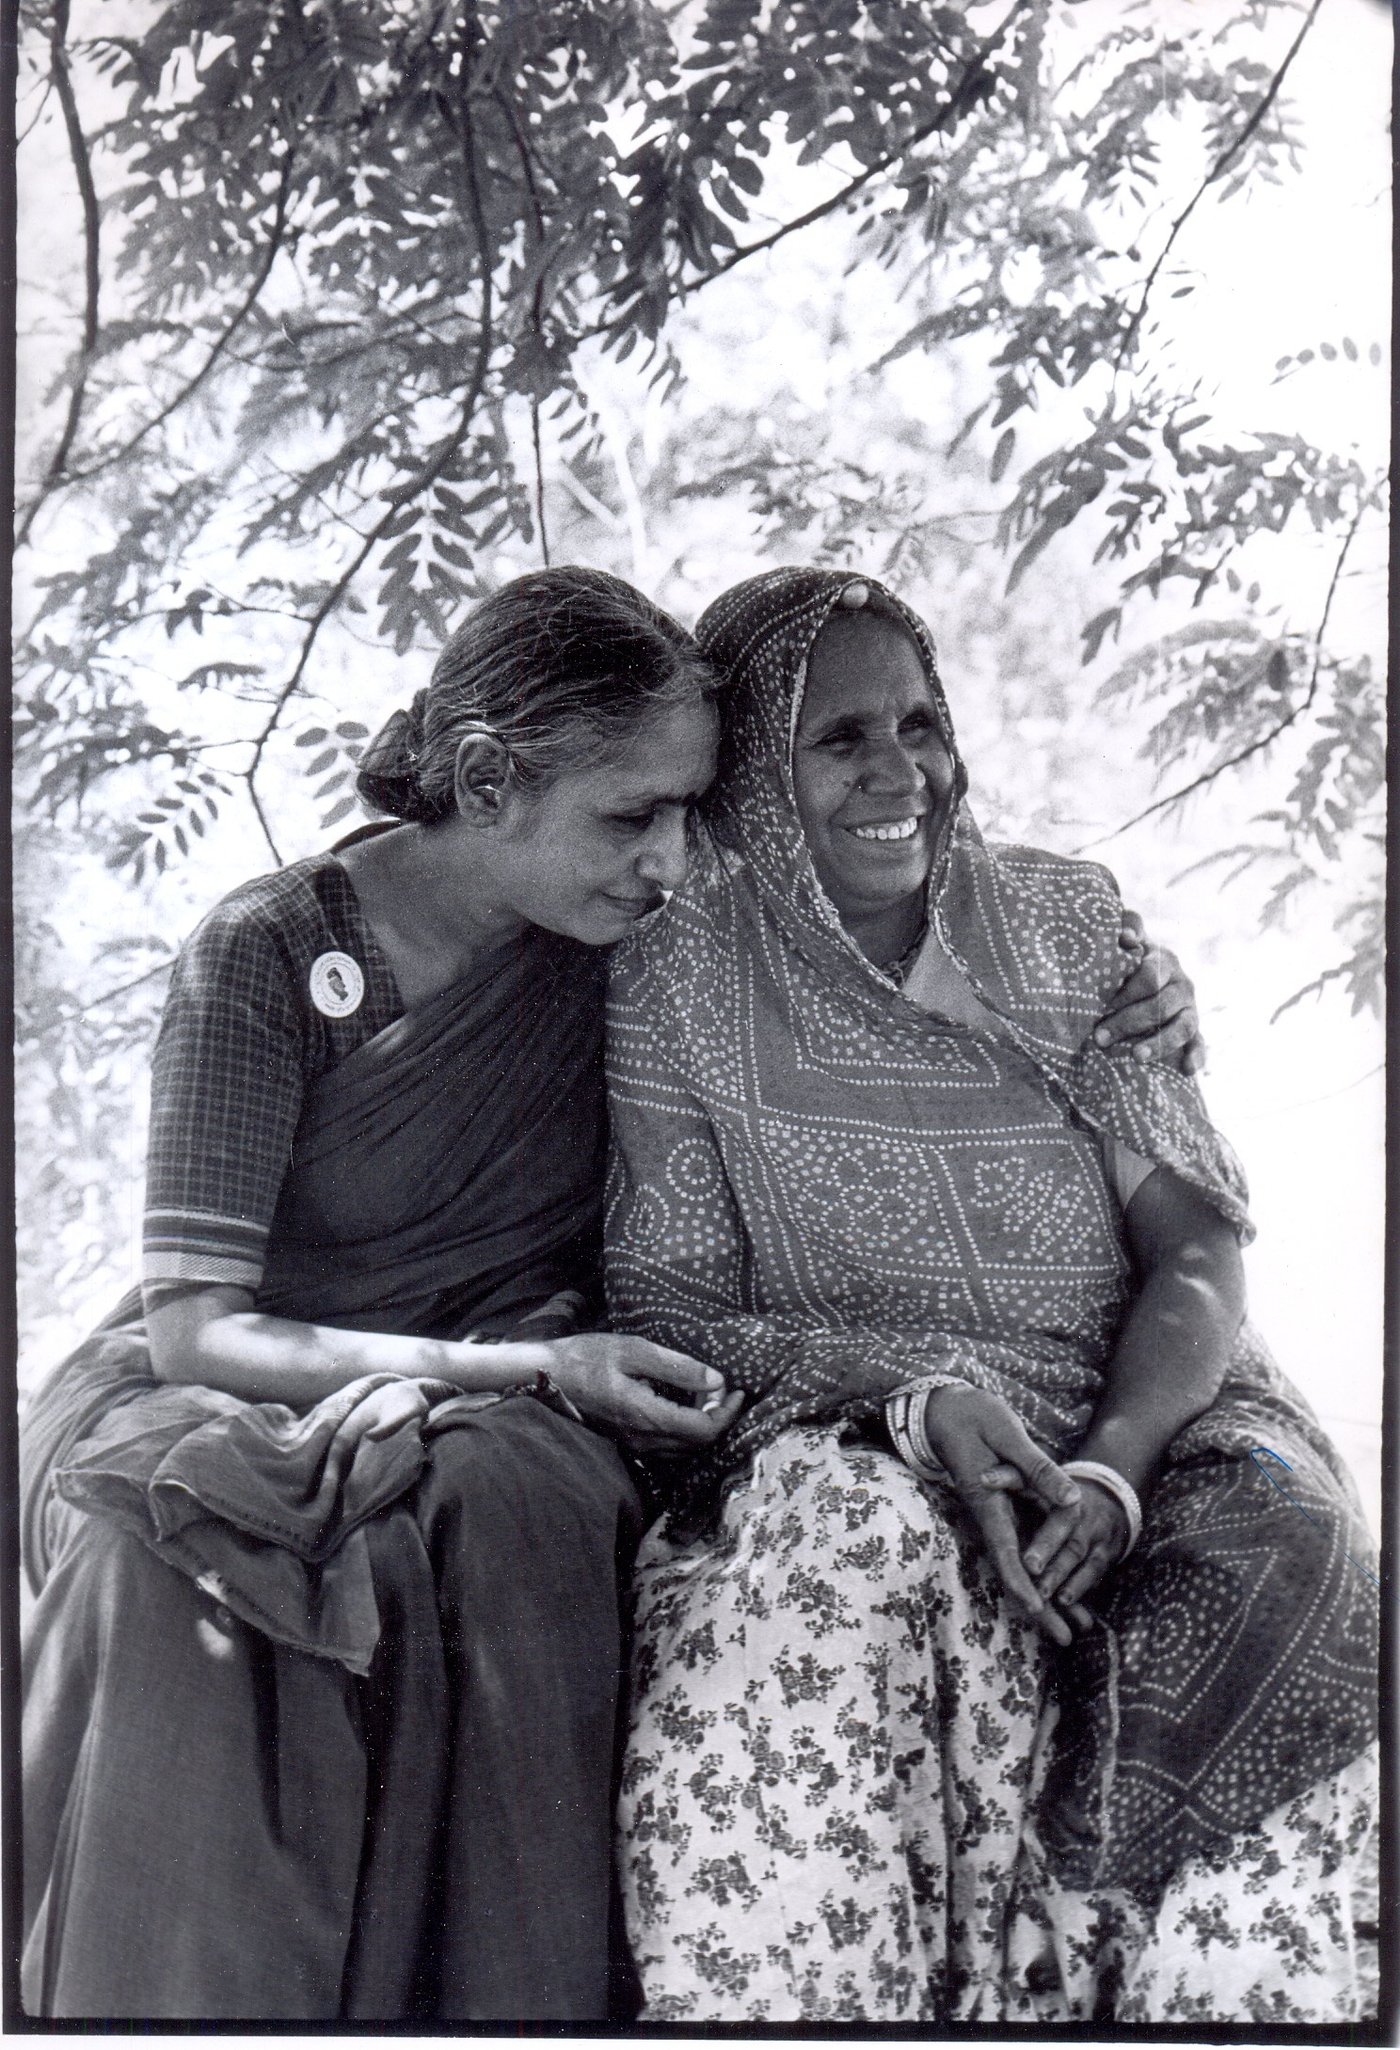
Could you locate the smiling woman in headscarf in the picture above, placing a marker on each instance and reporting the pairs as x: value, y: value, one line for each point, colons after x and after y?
x: 983, y: 1669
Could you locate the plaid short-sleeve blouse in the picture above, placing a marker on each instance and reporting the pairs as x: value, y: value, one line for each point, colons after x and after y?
x: 241, y: 1037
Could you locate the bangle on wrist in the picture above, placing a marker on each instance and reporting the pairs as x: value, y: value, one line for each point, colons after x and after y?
x: 1115, y: 1484
x: 904, y: 1419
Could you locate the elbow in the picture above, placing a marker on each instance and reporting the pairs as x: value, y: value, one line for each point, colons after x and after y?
x: 1210, y: 1274
x: 166, y: 1356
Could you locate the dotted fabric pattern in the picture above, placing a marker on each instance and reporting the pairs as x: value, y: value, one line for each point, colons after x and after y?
x: 829, y: 1193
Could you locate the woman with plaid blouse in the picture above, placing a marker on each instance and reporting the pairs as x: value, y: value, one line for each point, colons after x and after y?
x: 323, y: 1671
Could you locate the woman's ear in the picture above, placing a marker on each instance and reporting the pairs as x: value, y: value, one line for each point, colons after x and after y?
x: 483, y: 777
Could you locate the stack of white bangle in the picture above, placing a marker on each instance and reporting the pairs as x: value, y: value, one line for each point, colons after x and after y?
x: 904, y: 1419
x: 1122, y: 1491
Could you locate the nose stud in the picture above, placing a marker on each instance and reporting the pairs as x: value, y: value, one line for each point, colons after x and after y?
x: 854, y: 596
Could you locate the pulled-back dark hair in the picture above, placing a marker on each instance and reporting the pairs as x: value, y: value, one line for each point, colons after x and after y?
x: 560, y: 666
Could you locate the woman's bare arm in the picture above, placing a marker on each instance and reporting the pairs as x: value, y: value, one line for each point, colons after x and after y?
x: 1172, y: 1351
x: 214, y: 1337
x: 1167, y: 1369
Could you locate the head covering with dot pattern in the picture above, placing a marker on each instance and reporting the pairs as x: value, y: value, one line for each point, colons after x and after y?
x: 829, y: 1194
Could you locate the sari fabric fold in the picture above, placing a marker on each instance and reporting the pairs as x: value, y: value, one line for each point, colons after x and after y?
x: 829, y: 1193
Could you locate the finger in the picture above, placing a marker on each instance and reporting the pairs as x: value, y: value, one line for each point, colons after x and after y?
x: 677, y: 1422
x: 1054, y: 1625
x: 1169, y: 1045
x: 1132, y: 933
x: 1040, y: 1476
x: 664, y: 1439
x: 1047, y: 1541
x: 1145, y: 1018
x: 1079, y: 1616
x: 1096, y: 1564
x: 721, y: 1416
x: 1064, y: 1562
x: 677, y: 1369
x: 1004, y: 1477
x: 998, y: 1527
x: 1193, y: 1061
x: 1156, y: 971
x: 1152, y: 1014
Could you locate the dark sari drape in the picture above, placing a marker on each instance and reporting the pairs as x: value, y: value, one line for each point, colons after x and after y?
x: 318, y: 1726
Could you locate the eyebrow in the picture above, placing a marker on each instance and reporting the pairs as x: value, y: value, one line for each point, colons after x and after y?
x: 648, y: 794
x: 834, y: 721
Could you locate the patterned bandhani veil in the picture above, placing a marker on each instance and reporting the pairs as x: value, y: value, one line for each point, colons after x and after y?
x: 810, y: 1191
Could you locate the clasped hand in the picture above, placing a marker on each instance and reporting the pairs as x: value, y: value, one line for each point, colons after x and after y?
x: 991, y: 1457
x: 611, y: 1379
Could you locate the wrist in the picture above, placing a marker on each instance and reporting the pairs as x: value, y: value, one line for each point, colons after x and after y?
x: 515, y: 1363
x: 1118, y: 1445
x: 1098, y: 1473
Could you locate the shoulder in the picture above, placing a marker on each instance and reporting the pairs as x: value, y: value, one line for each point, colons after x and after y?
x: 256, y: 950
x: 1049, y: 911
x: 291, y: 909
x: 1034, y: 873
x: 683, y: 952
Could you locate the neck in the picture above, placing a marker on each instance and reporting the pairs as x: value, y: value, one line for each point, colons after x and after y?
x: 884, y: 935
x: 432, y: 907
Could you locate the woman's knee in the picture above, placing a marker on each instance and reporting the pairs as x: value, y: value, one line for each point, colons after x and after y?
x: 519, y: 1482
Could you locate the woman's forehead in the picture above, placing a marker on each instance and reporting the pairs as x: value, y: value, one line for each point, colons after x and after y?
x: 670, y: 755
x: 859, y: 658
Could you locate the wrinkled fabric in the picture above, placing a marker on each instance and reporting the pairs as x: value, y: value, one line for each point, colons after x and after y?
x: 220, y: 1828
x: 828, y: 1193
x: 834, y: 1766
x: 444, y: 1179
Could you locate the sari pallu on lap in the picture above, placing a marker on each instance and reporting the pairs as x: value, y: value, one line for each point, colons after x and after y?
x: 1234, y: 1664
x: 360, y: 1705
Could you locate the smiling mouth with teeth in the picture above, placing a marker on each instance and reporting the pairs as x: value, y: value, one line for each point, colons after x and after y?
x: 904, y: 829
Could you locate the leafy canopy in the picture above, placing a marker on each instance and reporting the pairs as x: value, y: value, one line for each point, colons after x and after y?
x: 346, y: 266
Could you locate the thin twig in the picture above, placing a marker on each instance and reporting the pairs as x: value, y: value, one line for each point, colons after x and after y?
x: 852, y: 186
x: 1279, y: 727
x: 1217, y: 170
x: 87, y: 191
x: 403, y: 494
x: 536, y: 301
x: 539, y: 480
x: 245, y: 307
x: 25, y: 134
x: 109, y: 996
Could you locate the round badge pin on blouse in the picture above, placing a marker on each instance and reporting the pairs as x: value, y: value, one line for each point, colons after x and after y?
x: 337, y: 985
x: 855, y: 595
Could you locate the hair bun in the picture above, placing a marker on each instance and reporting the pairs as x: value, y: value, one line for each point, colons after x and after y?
x: 388, y: 774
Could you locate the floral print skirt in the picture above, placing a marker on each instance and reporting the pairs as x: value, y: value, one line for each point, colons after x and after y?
x: 830, y: 1783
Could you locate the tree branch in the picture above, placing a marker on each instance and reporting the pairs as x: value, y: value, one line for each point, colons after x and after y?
x: 427, y: 475
x: 975, y: 64
x: 1217, y: 170
x: 852, y: 186
x: 1279, y: 727
x: 250, y: 298
x: 536, y: 301
x: 109, y: 996
x: 87, y: 192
